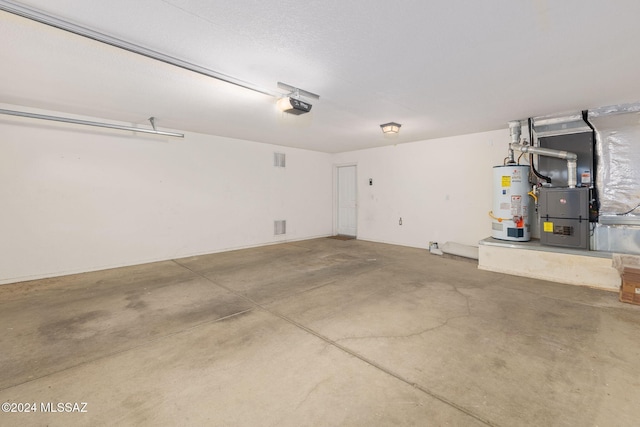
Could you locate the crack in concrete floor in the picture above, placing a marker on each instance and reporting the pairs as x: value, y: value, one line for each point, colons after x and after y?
x: 353, y: 353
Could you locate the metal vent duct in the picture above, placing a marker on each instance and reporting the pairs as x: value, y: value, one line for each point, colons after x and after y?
x: 564, y: 124
x: 279, y: 160
x: 279, y: 227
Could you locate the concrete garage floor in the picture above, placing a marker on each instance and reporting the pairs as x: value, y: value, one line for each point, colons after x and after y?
x: 318, y: 333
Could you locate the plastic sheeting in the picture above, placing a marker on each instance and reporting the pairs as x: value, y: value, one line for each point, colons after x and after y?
x: 620, y: 262
x: 618, y: 153
x: 618, y: 177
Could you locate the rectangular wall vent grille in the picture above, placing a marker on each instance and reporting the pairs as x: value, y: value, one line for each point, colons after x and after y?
x: 279, y: 160
x: 279, y: 227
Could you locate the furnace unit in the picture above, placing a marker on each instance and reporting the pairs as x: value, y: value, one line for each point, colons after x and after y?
x: 564, y: 217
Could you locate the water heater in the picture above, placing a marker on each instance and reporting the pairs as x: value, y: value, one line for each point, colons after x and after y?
x: 510, y: 215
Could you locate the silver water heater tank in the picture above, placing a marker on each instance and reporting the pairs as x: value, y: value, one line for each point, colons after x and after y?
x: 510, y: 215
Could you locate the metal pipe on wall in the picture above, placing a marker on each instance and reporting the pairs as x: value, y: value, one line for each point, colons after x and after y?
x: 571, y: 158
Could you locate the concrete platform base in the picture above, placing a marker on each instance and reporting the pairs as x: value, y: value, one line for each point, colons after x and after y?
x: 574, y: 267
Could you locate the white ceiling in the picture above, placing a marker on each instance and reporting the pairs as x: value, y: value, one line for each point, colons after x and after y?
x: 440, y: 68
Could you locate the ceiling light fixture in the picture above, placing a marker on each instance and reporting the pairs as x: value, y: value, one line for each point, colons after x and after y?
x: 391, y: 127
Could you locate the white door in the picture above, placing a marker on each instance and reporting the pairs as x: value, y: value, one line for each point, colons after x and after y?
x: 347, y: 197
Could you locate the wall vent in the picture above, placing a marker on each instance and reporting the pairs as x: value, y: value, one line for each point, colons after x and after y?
x: 279, y: 160
x: 279, y: 227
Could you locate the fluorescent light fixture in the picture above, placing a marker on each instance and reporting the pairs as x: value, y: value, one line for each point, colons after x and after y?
x: 391, y: 127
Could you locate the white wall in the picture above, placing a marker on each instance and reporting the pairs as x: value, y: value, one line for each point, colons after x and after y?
x: 441, y: 188
x: 78, y: 199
